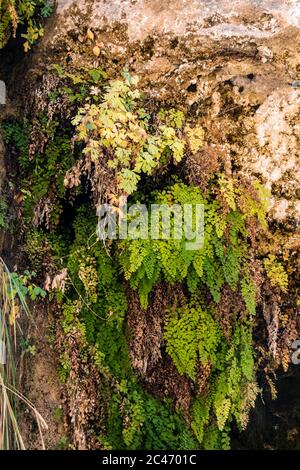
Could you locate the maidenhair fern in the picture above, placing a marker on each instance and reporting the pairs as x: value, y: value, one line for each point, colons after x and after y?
x: 232, y: 388
x: 276, y: 273
x: 223, y: 258
x: 123, y: 148
x: 192, y: 333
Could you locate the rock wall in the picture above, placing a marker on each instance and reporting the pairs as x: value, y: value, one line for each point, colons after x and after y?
x: 235, y: 64
x: 232, y: 66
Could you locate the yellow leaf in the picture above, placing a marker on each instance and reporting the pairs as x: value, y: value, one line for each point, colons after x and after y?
x: 90, y: 35
x: 26, y: 46
x: 96, y: 51
x: 14, y: 313
x: 196, y: 138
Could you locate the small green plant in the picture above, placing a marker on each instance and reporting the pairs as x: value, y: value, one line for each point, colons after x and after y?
x: 58, y: 414
x: 86, y: 84
x: 190, y: 334
x: 64, y: 368
x: 22, y: 284
x: 62, y: 443
x: 23, y: 12
x: 27, y: 347
x: 232, y: 393
x: 15, y: 133
x: 45, y: 173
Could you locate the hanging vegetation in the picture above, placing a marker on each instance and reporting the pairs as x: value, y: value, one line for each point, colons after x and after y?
x: 94, y: 140
x: 27, y: 14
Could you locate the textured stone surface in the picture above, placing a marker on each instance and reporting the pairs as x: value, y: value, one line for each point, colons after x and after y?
x: 235, y: 64
x: 214, y: 17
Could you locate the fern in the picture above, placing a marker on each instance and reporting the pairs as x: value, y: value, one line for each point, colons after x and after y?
x: 182, y: 341
x: 232, y: 375
x: 248, y: 291
x: 201, y: 416
x: 222, y: 259
x: 276, y: 273
x: 195, y: 138
x: 117, y: 137
x: 216, y: 440
x: 147, y: 423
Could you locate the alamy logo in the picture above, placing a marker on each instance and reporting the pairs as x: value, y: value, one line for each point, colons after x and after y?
x: 2, y: 92
x: 157, y: 222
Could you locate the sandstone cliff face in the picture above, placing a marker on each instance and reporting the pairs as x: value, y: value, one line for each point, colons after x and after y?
x: 232, y: 66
